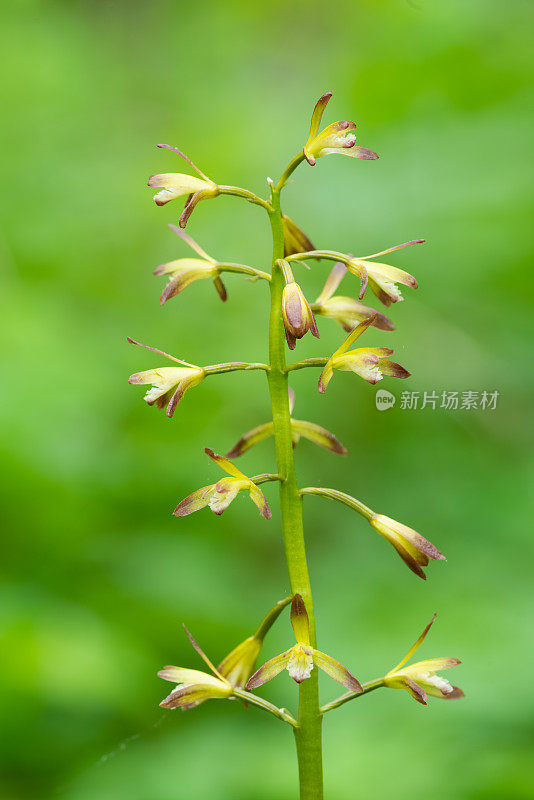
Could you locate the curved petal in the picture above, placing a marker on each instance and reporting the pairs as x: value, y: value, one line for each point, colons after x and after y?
x: 258, y: 498
x: 318, y: 435
x: 354, y: 152
x: 194, y: 502
x: 268, y: 671
x: 251, y: 438
x: 334, y: 669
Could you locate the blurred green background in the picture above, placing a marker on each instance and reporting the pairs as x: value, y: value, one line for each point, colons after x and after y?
x: 97, y: 573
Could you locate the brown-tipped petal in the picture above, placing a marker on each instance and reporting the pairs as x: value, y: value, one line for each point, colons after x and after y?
x: 221, y: 289
x: 191, y: 242
x: 258, y: 498
x: 223, y: 462
x: 392, y: 369
x: 415, y: 690
x: 295, y: 240
x: 202, y: 655
x: 186, y: 158
x: 456, y: 694
x: 268, y: 671
x: 334, y: 669
x: 177, y: 398
x: 193, y: 502
x: 318, y: 435
x: 325, y: 377
x: 190, y: 696
x: 317, y: 114
x: 251, y: 438
x: 299, y: 620
x: 192, y: 202
x: 396, y: 247
x: 354, y: 151
x: 187, y: 676
x: 290, y: 339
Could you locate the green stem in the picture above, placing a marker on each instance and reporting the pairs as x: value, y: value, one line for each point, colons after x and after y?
x: 308, y: 732
x: 233, y: 366
x: 260, y: 702
x: 367, y: 687
x: 342, y: 497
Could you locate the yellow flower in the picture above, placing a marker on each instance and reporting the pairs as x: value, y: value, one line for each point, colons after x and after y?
x: 383, y: 278
x: 174, y: 184
x: 336, y: 138
x: 182, y: 272
x: 370, y: 363
x: 218, y: 496
x: 414, y: 549
x: 300, y: 659
x: 421, y: 679
x: 345, y: 310
x: 169, y: 384
x: 193, y: 686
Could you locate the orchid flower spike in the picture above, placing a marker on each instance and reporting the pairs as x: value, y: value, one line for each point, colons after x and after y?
x: 383, y: 278
x: 169, y: 384
x: 182, y: 272
x: 297, y: 314
x: 345, y: 310
x: 420, y: 679
x: 218, y: 496
x: 299, y: 428
x: 175, y: 184
x: 339, y: 137
x: 300, y: 659
x: 370, y: 363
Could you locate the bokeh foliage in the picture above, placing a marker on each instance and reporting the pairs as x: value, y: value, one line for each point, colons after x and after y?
x: 97, y: 574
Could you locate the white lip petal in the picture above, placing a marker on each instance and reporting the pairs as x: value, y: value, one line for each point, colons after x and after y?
x: 440, y: 683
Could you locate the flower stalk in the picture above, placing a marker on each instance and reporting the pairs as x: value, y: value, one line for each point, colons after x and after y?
x: 308, y: 735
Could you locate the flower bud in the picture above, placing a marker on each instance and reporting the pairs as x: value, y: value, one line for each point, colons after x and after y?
x: 297, y: 314
x: 414, y: 549
x: 295, y: 240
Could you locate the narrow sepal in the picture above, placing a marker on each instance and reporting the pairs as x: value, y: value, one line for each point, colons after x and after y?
x: 299, y: 620
x: 334, y: 669
x: 318, y: 435
x: 250, y: 439
x: 268, y: 671
x: 193, y: 502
